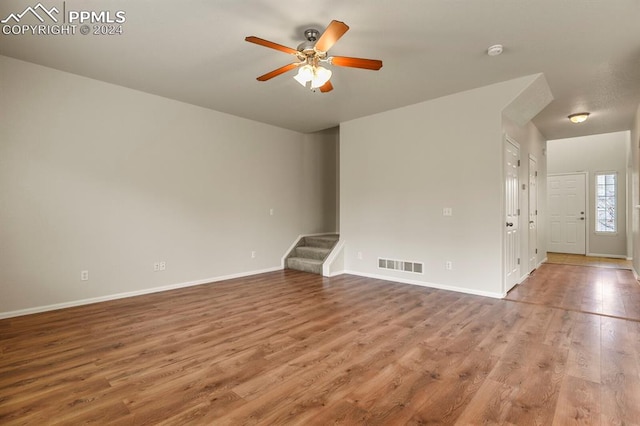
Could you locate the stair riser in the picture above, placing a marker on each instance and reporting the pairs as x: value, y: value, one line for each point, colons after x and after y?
x: 303, y: 266
x: 310, y: 253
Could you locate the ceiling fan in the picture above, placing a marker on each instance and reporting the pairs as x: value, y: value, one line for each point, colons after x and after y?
x: 312, y: 53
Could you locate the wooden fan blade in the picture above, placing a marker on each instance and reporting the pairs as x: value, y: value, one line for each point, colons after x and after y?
x: 270, y: 44
x: 277, y: 72
x: 327, y: 87
x: 334, y: 31
x: 345, y: 61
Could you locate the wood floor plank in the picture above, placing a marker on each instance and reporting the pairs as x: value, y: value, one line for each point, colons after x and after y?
x: 293, y: 348
x: 462, y: 382
x: 339, y: 413
x: 560, y: 329
x: 620, y: 388
x: 579, y: 403
x: 490, y: 405
x: 537, y: 397
x: 204, y: 413
x: 585, y: 349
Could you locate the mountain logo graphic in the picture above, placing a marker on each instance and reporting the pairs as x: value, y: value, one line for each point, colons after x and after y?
x: 38, y: 11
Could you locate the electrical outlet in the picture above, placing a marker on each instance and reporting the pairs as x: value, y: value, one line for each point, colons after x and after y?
x: 253, y: 254
x: 156, y: 266
x: 271, y: 212
x: 447, y: 211
x: 448, y: 265
x: 360, y: 255
x: 163, y: 266
x: 84, y: 275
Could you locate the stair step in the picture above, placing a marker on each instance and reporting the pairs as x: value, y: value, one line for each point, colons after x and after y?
x: 306, y: 265
x: 317, y: 253
x: 322, y: 241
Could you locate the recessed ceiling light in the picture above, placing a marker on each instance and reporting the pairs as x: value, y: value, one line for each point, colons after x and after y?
x: 494, y: 50
x: 579, y: 117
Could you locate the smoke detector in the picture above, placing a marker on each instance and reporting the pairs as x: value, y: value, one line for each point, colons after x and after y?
x: 494, y: 50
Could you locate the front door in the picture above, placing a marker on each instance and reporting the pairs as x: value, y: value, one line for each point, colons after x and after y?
x: 567, y: 213
x: 512, y: 214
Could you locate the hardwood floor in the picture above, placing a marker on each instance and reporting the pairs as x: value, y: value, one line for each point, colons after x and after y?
x: 294, y: 348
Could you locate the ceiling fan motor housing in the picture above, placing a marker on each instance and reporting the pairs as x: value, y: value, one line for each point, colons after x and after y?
x: 311, y: 34
x: 307, y: 46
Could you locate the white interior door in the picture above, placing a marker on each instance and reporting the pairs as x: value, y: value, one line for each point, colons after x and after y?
x: 567, y: 213
x: 512, y: 214
x: 533, y: 213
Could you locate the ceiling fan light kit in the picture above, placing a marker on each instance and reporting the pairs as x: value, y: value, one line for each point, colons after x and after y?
x: 313, y: 52
x: 316, y: 75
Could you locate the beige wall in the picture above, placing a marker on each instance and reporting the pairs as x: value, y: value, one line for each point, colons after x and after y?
x: 400, y: 168
x: 592, y: 154
x: 102, y: 178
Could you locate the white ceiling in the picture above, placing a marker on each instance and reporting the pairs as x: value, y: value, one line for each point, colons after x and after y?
x: 194, y: 51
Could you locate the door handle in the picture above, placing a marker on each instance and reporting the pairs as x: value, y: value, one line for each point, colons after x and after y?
x: 509, y: 223
x: 582, y: 218
x: 531, y: 221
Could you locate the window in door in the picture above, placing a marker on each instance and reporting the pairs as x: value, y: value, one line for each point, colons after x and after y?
x: 606, y: 202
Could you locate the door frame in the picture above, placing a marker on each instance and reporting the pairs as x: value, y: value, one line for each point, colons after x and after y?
x: 530, y: 267
x: 587, y: 213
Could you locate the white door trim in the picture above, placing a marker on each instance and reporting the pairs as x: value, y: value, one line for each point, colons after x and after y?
x: 537, y: 216
x: 506, y: 286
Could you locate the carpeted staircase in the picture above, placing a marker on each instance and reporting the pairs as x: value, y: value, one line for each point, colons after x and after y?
x: 310, y: 253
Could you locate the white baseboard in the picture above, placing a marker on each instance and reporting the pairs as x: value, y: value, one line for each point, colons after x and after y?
x: 71, y: 304
x: 430, y: 285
